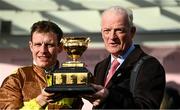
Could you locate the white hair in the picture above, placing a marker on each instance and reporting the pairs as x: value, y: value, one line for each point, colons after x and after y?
x: 120, y: 9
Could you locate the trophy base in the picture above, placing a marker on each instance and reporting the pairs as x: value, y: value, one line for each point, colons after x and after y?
x: 71, y: 81
x: 71, y: 90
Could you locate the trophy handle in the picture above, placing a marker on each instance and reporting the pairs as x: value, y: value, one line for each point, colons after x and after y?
x: 87, y: 40
x: 63, y: 40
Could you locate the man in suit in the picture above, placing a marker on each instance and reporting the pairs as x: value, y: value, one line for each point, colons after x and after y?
x: 114, y: 93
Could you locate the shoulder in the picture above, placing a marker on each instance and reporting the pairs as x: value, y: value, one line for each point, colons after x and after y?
x: 151, y: 61
x: 151, y: 68
x: 21, y: 70
x: 147, y: 64
x: 103, y: 62
x: 17, y: 74
x: 148, y: 59
x: 25, y: 68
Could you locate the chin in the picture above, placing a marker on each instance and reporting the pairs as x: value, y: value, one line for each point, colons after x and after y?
x: 113, y: 51
x: 43, y: 65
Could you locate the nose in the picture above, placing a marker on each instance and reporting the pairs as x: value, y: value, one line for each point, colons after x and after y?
x: 113, y: 34
x: 43, y: 48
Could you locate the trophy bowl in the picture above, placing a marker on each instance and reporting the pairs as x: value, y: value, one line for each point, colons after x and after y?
x: 73, y: 77
x: 75, y: 47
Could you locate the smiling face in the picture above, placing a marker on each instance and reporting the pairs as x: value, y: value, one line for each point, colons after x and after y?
x: 44, y: 48
x: 116, y: 32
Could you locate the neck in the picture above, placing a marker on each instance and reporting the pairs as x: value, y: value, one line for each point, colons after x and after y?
x: 50, y: 69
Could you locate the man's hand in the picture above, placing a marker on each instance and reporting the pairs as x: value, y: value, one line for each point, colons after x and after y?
x: 44, y: 98
x: 99, y: 96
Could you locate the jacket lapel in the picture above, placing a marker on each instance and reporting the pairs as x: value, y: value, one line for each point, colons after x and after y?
x: 127, y: 65
x: 102, y: 70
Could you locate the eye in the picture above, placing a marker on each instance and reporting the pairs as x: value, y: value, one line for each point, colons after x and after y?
x: 50, y: 45
x: 37, y: 44
x: 120, y: 30
x: 106, y: 31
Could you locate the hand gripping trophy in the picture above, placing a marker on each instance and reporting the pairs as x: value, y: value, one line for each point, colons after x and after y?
x: 73, y: 77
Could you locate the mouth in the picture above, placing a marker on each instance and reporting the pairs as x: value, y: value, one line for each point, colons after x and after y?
x: 114, y: 44
x: 43, y: 58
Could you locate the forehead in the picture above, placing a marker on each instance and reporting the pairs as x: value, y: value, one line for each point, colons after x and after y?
x: 39, y: 36
x: 114, y: 18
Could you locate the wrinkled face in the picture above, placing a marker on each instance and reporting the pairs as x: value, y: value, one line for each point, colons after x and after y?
x: 44, y: 48
x: 116, y: 33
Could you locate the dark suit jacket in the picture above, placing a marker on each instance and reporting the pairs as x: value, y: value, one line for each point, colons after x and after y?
x: 149, y: 88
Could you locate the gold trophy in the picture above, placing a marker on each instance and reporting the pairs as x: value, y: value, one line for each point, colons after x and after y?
x: 73, y: 76
x: 75, y: 47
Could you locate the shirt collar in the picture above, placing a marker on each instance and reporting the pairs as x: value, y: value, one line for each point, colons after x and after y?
x: 121, y: 58
x: 50, y: 69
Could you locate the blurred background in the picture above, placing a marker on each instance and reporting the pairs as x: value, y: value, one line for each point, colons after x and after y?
x: 157, y: 22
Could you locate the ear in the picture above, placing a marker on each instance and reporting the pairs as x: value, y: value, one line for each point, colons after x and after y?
x: 31, y: 46
x: 133, y: 31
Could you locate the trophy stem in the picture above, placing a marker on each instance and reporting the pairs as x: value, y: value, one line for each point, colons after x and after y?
x: 73, y: 63
x: 74, y: 59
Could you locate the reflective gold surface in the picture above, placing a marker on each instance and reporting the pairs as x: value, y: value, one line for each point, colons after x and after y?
x: 70, y: 78
x: 75, y: 46
x: 73, y: 73
x: 73, y: 64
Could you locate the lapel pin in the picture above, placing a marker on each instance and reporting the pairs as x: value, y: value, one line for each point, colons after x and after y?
x: 119, y: 74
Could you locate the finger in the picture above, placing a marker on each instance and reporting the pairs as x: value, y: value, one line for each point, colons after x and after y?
x: 99, y: 94
x: 96, y: 102
x: 97, y: 87
x: 89, y: 98
x: 57, y: 97
x: 50, y: 101
x: 46, y: 93
x: 102, y: 94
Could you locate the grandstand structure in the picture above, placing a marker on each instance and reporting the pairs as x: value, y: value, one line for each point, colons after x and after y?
x: 157, y: 22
